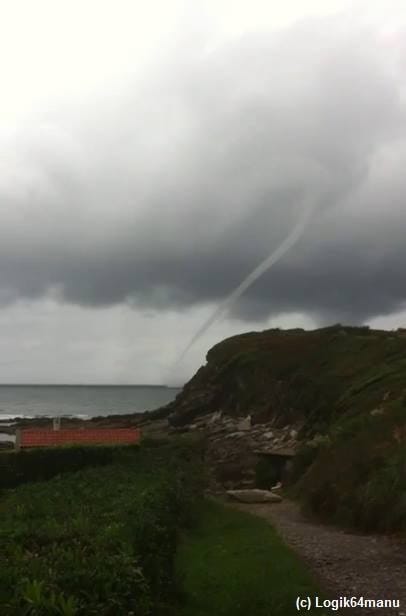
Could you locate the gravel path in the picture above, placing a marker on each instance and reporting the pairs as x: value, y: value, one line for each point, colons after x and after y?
x: 346, y: 564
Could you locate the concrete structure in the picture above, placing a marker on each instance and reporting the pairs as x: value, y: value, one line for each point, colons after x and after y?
x: 279, y: 459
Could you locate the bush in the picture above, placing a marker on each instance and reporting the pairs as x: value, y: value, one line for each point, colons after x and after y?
x: 305, y: 457
x: 383, y: 496
x: 359, y: 479
x: 100, y: 541
x: 40, y: 464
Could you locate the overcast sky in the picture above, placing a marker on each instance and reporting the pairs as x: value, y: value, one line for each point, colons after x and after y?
x: 152, y: 154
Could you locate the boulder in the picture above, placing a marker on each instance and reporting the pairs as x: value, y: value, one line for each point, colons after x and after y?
x: 244, y: 424
x: 216, y: 417
x: 254, y: 496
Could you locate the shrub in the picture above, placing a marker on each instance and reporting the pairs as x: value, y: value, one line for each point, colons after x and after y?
x: 383, y: 496
x: 100, y: 541
x: 305, y: 457
x: 359, y: 479
x: 43, y: 463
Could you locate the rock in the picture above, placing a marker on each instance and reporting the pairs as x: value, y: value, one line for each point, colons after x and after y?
x: 267, y: 435
x: 376, y: 412
x: 216, y: 417
x: 235, y: 435
x: 293, y: 434
x: 244, y: 424
x: 247, y: 483
x: 228, y: 423
x: 218, y: 431
x: 254, y: 496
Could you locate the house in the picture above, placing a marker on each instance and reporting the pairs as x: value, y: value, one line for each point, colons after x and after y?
x: 48, y: 437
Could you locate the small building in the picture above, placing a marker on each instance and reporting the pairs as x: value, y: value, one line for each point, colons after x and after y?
x: 278, y: 461
x: 48, y: 437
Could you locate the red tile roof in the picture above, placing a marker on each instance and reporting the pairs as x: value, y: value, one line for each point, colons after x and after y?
x: 49, y: 437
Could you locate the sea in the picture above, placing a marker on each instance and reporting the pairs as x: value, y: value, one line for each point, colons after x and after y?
x: 83, y: 401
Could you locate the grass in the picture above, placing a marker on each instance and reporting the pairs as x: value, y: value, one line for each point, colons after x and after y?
x: 234, y: 564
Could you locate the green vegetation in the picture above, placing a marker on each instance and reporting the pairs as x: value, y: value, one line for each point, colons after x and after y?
x: 234, y: 564
x: 315, y: 376
x: 101, y: 540
x: 135, y: 537
x: 43, y: 463
x: 358, y: 477
x: 346, y: 386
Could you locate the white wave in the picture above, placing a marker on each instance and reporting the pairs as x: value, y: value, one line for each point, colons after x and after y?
x: 6, y: 438
x: 9, y: 417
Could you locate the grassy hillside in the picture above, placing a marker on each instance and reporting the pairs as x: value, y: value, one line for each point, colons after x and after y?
x: 317, y: 376
x: 346, y: 387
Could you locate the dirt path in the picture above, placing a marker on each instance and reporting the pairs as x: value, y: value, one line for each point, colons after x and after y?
x: 346, y: 564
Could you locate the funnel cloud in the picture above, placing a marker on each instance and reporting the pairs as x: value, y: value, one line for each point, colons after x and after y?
x: 154, y: 189
x: 263, y: 267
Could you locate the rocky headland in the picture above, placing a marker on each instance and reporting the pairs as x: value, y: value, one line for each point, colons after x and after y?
x: 332, y: 400
x: 334, y: 397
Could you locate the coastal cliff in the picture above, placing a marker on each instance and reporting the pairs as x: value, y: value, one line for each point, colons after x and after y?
x: 315, y: 377
x: 336, y: 396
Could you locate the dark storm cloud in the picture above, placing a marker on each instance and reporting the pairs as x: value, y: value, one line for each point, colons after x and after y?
x: 175, y: 190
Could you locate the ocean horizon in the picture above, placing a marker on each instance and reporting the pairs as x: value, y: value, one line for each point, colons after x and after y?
x: 80, y: 400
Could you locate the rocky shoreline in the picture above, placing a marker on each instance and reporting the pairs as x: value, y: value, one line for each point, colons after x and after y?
x: 232, y: 444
